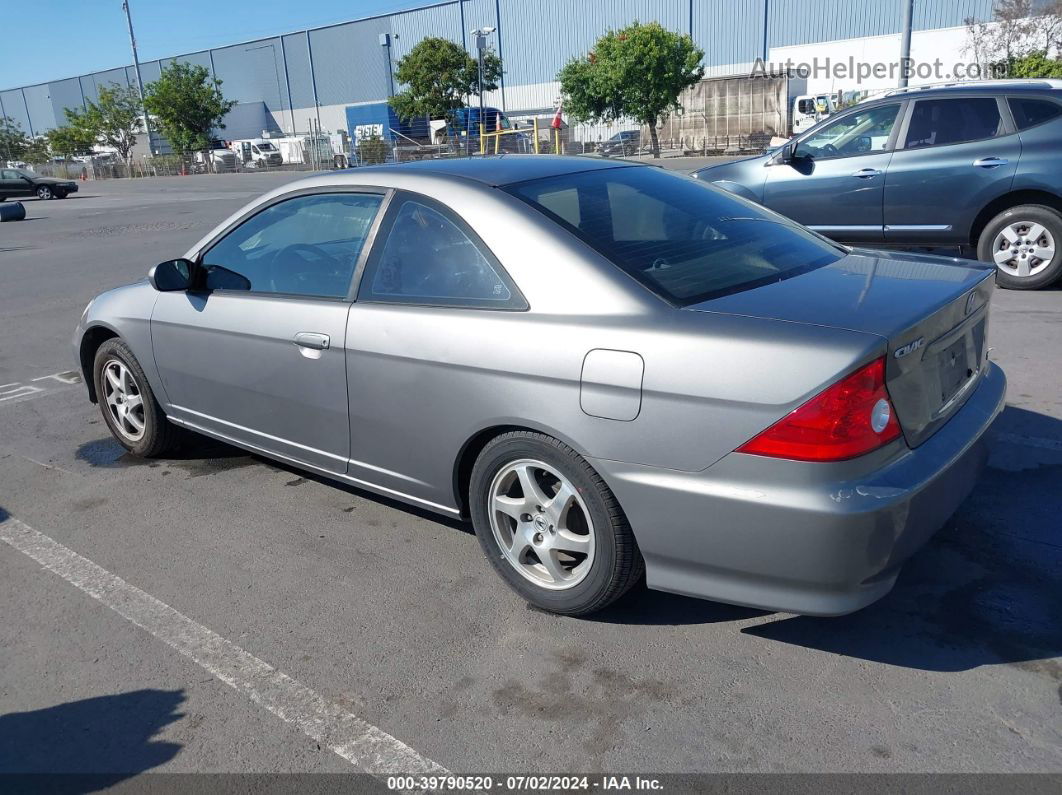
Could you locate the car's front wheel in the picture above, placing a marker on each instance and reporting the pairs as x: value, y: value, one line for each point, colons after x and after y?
x: 129, y: 407
x: 44, y: 192
x: 551, y: 526
x: 1025, y: 243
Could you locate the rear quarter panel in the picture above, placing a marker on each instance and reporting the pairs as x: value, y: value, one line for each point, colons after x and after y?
x: 1040, y: 164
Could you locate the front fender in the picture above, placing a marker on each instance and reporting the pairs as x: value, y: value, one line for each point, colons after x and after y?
x: 126, y: 313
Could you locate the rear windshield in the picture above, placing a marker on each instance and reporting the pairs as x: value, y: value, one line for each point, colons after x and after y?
x: 684, y: 240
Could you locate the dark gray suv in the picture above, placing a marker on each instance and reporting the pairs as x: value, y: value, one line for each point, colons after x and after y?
x: 977, y: 166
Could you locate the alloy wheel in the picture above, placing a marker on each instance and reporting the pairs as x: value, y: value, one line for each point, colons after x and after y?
x: 541, y: 524
x: 124, y: 399
x: 1023, y: 248
x: 44, y: 192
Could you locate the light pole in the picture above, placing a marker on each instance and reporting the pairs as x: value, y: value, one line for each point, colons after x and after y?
x: 905, y: 42
x: 136, y: 68
x: 276, y: 74
x: 481, y: 46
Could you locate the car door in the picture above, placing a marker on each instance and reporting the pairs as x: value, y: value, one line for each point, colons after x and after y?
x: 431, y: 293
x: 13, y: 184
x: 835, y: 180
x: 955, y: 156
x: 255, y: 352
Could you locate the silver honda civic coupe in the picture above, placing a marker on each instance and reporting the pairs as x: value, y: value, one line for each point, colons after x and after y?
x: 613, y: 370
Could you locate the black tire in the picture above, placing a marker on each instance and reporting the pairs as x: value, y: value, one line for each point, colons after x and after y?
x: 1047, y: 217
x: 60, y: 194
x: 617, y: 563
x: 45, y: 192
x: 159, y: 434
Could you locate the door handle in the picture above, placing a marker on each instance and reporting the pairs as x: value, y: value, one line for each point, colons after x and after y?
x: 990, y: 162
x: 863, y: 173
x: 311, y: 340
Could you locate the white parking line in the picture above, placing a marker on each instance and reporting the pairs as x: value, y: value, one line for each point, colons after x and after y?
x: 360, y: 743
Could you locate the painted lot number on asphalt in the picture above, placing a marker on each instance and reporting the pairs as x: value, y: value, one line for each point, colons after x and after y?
x: 36, y: 387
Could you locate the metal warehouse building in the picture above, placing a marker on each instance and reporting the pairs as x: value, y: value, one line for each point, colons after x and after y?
x: 283, y: 81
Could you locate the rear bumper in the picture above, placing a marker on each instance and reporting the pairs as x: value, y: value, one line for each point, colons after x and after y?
x: 817, y: 539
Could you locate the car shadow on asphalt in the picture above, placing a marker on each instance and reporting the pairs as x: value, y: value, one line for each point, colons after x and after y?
x: 199, y: 456
x: 110, y: 738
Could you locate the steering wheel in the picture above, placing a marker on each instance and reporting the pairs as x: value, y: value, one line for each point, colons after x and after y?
x: 305, y: 281
x: 829, y: 150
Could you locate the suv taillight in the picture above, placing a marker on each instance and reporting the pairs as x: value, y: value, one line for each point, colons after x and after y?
x: 848, y: 419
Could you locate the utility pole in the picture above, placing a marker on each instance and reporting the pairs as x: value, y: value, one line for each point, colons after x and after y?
x: 905, y: 42
x: 136, y: 68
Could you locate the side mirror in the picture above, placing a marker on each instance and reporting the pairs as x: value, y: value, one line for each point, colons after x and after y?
x: 219, y: 278
x: 171, y: 276
x: 785, y: 154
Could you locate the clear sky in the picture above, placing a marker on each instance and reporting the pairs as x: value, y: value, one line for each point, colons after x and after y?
x: 50, y: 39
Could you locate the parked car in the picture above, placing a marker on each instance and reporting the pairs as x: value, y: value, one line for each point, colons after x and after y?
x: 622, y: 144
x: 975, y: 165
x: 17, y: 182
x: 608, y: 367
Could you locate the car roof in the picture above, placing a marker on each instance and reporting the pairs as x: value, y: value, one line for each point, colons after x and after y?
x: 1052, y: 87
x: 498, y: 170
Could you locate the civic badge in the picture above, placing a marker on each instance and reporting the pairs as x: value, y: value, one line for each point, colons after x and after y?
x: 910, y: 347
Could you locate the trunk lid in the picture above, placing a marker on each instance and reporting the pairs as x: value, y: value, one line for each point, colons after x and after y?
x: 931, y: 311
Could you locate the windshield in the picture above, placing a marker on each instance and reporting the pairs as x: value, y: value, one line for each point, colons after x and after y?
x: 27, y: 173
x: 266, y: 147
x: 684, y: 240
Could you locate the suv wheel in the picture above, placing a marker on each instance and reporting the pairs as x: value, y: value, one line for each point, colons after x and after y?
x: 550, y: 526
x: 1025, y: 243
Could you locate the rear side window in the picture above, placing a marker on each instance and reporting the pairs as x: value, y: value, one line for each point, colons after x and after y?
x: 684, y: 240
x: 1030, y: 112
x: 939, y: 122
x: 430, y: 258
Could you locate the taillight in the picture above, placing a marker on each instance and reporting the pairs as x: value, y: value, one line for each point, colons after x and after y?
x: 850, y: 418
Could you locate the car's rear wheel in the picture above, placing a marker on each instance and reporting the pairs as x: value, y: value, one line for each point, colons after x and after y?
x: 550, y: 526
x: 1025, y: 243
x: 127, y: 403
x: 45, y: 192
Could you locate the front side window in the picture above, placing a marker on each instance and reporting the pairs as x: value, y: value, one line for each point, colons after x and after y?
x: 939, y: 122
x: 859, y: 132
x: 682, y: 239
x: 1030, y: 112
x: 308, y: 245
x: 428, y: 258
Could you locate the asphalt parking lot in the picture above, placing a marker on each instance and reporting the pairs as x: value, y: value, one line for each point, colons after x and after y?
x: 390, y: 615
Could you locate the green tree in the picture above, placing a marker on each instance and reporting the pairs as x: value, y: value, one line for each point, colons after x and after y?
x: 1035, y: 64
x: 637, y: 72
x: 113, y: 120
x: 438, y: 75
x: 36, y: 150
x: 187, y: 104
x: 69, y: 140
x: 13, y: 141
